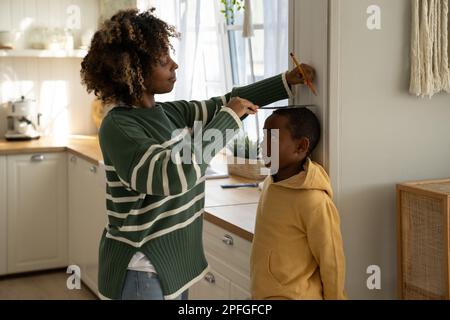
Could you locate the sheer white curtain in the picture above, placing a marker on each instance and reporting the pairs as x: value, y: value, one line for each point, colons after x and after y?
x: 269, y: 45
x: 199, y: 51
x: 203, y: 52
x: 276, y: 44
x: 276, y: 41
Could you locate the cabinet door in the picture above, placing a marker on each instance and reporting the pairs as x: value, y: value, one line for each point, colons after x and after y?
x: 94, y: 223
x: 87, y: 216
x: 213, y: 286
x: 76, y: 212
x: 37, y: 211
x: 3, y: 208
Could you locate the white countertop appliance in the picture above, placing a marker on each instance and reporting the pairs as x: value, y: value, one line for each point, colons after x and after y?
x: 22, y: 120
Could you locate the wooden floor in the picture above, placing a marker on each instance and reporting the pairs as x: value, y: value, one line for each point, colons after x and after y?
x: 41, y: 286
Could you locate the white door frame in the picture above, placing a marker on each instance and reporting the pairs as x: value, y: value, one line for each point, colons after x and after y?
x: 335, y: 99
x: 314, y: 35
x: 308, y: 34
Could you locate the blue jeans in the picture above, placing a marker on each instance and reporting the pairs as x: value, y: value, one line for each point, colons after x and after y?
x: 144, y: 286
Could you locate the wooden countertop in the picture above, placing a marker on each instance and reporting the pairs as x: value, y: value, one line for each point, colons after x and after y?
x: 86, y: 147
x: 231, y: 209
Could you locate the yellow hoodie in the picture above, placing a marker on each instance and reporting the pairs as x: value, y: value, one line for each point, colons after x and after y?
x: 297, y: 250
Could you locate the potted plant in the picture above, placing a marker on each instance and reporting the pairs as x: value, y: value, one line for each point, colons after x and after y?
x: 230, y: 7
x: 245, y: 160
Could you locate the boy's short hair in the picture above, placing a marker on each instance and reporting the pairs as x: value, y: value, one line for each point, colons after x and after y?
x: 302, y: 123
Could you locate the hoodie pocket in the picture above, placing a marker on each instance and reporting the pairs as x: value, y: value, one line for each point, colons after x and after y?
x: 263, y: 282
x: 279, y: 268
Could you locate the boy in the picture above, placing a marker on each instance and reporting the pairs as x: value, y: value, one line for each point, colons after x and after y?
x: 297, y: 247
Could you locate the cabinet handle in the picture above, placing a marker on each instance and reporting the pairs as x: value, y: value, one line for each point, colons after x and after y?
x: 209, y: 277
x: 228, y: 240
x: 37, y: 157
x: 93, y: 169
x: 73, y: 159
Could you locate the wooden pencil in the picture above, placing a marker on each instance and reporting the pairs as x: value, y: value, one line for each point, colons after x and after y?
x: 302, y: 71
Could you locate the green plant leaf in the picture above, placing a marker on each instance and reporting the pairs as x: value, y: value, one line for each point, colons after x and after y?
x: 243, y: 147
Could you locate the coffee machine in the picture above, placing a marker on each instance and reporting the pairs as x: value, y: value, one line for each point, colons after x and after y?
x: 22, y: 120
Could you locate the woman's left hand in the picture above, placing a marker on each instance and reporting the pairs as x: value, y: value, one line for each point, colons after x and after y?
x: 294, y: 76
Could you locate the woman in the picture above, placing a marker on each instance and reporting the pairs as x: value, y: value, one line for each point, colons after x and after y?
x: 152, y: 247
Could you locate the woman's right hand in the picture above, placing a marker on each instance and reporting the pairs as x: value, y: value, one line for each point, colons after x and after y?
x: 242, y: 106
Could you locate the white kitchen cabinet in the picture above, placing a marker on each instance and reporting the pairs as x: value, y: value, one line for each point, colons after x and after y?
x: 3, y: 217
x: 87, y: 216
x: 228, y: 256
x: 36, y: 212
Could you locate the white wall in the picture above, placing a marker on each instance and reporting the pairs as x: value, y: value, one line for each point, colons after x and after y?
x: 379, y: 135
x: 54, y: 83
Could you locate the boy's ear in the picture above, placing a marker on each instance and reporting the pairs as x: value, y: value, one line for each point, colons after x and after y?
x: 303, y: 145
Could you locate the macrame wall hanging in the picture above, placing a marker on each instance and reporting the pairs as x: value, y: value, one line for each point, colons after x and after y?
x: 430, y: 72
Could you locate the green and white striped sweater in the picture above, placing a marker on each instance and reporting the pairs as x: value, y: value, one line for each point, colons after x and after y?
x: 154, y: 204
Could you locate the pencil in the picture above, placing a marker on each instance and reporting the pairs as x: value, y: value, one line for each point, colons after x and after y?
x: 300, y: 69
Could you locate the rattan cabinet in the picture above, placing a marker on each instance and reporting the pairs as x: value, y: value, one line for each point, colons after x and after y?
x: 423, y: 239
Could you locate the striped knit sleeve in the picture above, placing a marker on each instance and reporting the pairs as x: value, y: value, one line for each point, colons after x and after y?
x: 264, y: 92
x: 168, y: 168
x: 261, y: 93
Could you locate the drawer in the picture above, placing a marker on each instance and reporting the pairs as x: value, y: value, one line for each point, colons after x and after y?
x: 213, y: 286
x: 224, y: 268
x: 227, y: 247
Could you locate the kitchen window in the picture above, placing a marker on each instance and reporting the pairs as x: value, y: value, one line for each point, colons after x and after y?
x: 214, y: 56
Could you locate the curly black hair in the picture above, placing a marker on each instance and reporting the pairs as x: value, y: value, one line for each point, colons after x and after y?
x: 122, y: 54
